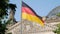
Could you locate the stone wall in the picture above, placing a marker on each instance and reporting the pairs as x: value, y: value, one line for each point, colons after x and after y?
x: 31, y: 28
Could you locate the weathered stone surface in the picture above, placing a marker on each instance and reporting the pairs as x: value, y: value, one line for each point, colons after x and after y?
x: 27, y: 27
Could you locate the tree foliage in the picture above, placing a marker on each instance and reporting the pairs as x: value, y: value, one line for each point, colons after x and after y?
x: 58, y: 29
x: 58, y: 25
x: 4, y: 6
x: 3, y: 14
x: 58, y: 14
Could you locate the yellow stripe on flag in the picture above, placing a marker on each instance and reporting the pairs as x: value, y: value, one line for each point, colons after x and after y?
x: 32, y: 18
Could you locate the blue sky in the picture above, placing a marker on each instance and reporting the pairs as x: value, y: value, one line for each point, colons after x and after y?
x: 41, y: 7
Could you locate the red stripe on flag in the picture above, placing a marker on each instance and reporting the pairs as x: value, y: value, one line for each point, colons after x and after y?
x: 27, y: 10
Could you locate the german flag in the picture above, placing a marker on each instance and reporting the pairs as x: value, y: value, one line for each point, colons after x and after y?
x: 29, y: 14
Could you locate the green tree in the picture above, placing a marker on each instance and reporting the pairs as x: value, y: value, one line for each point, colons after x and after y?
x: 4, y: 6
x: 58, y: 29
x: 3, y: 14
x: 58, y: 25
x: 58, y: 14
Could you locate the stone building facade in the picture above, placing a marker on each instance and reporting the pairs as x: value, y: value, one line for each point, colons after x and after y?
x: 27, y: 27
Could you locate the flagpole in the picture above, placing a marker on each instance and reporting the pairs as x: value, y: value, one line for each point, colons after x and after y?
x: 21, y: 16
